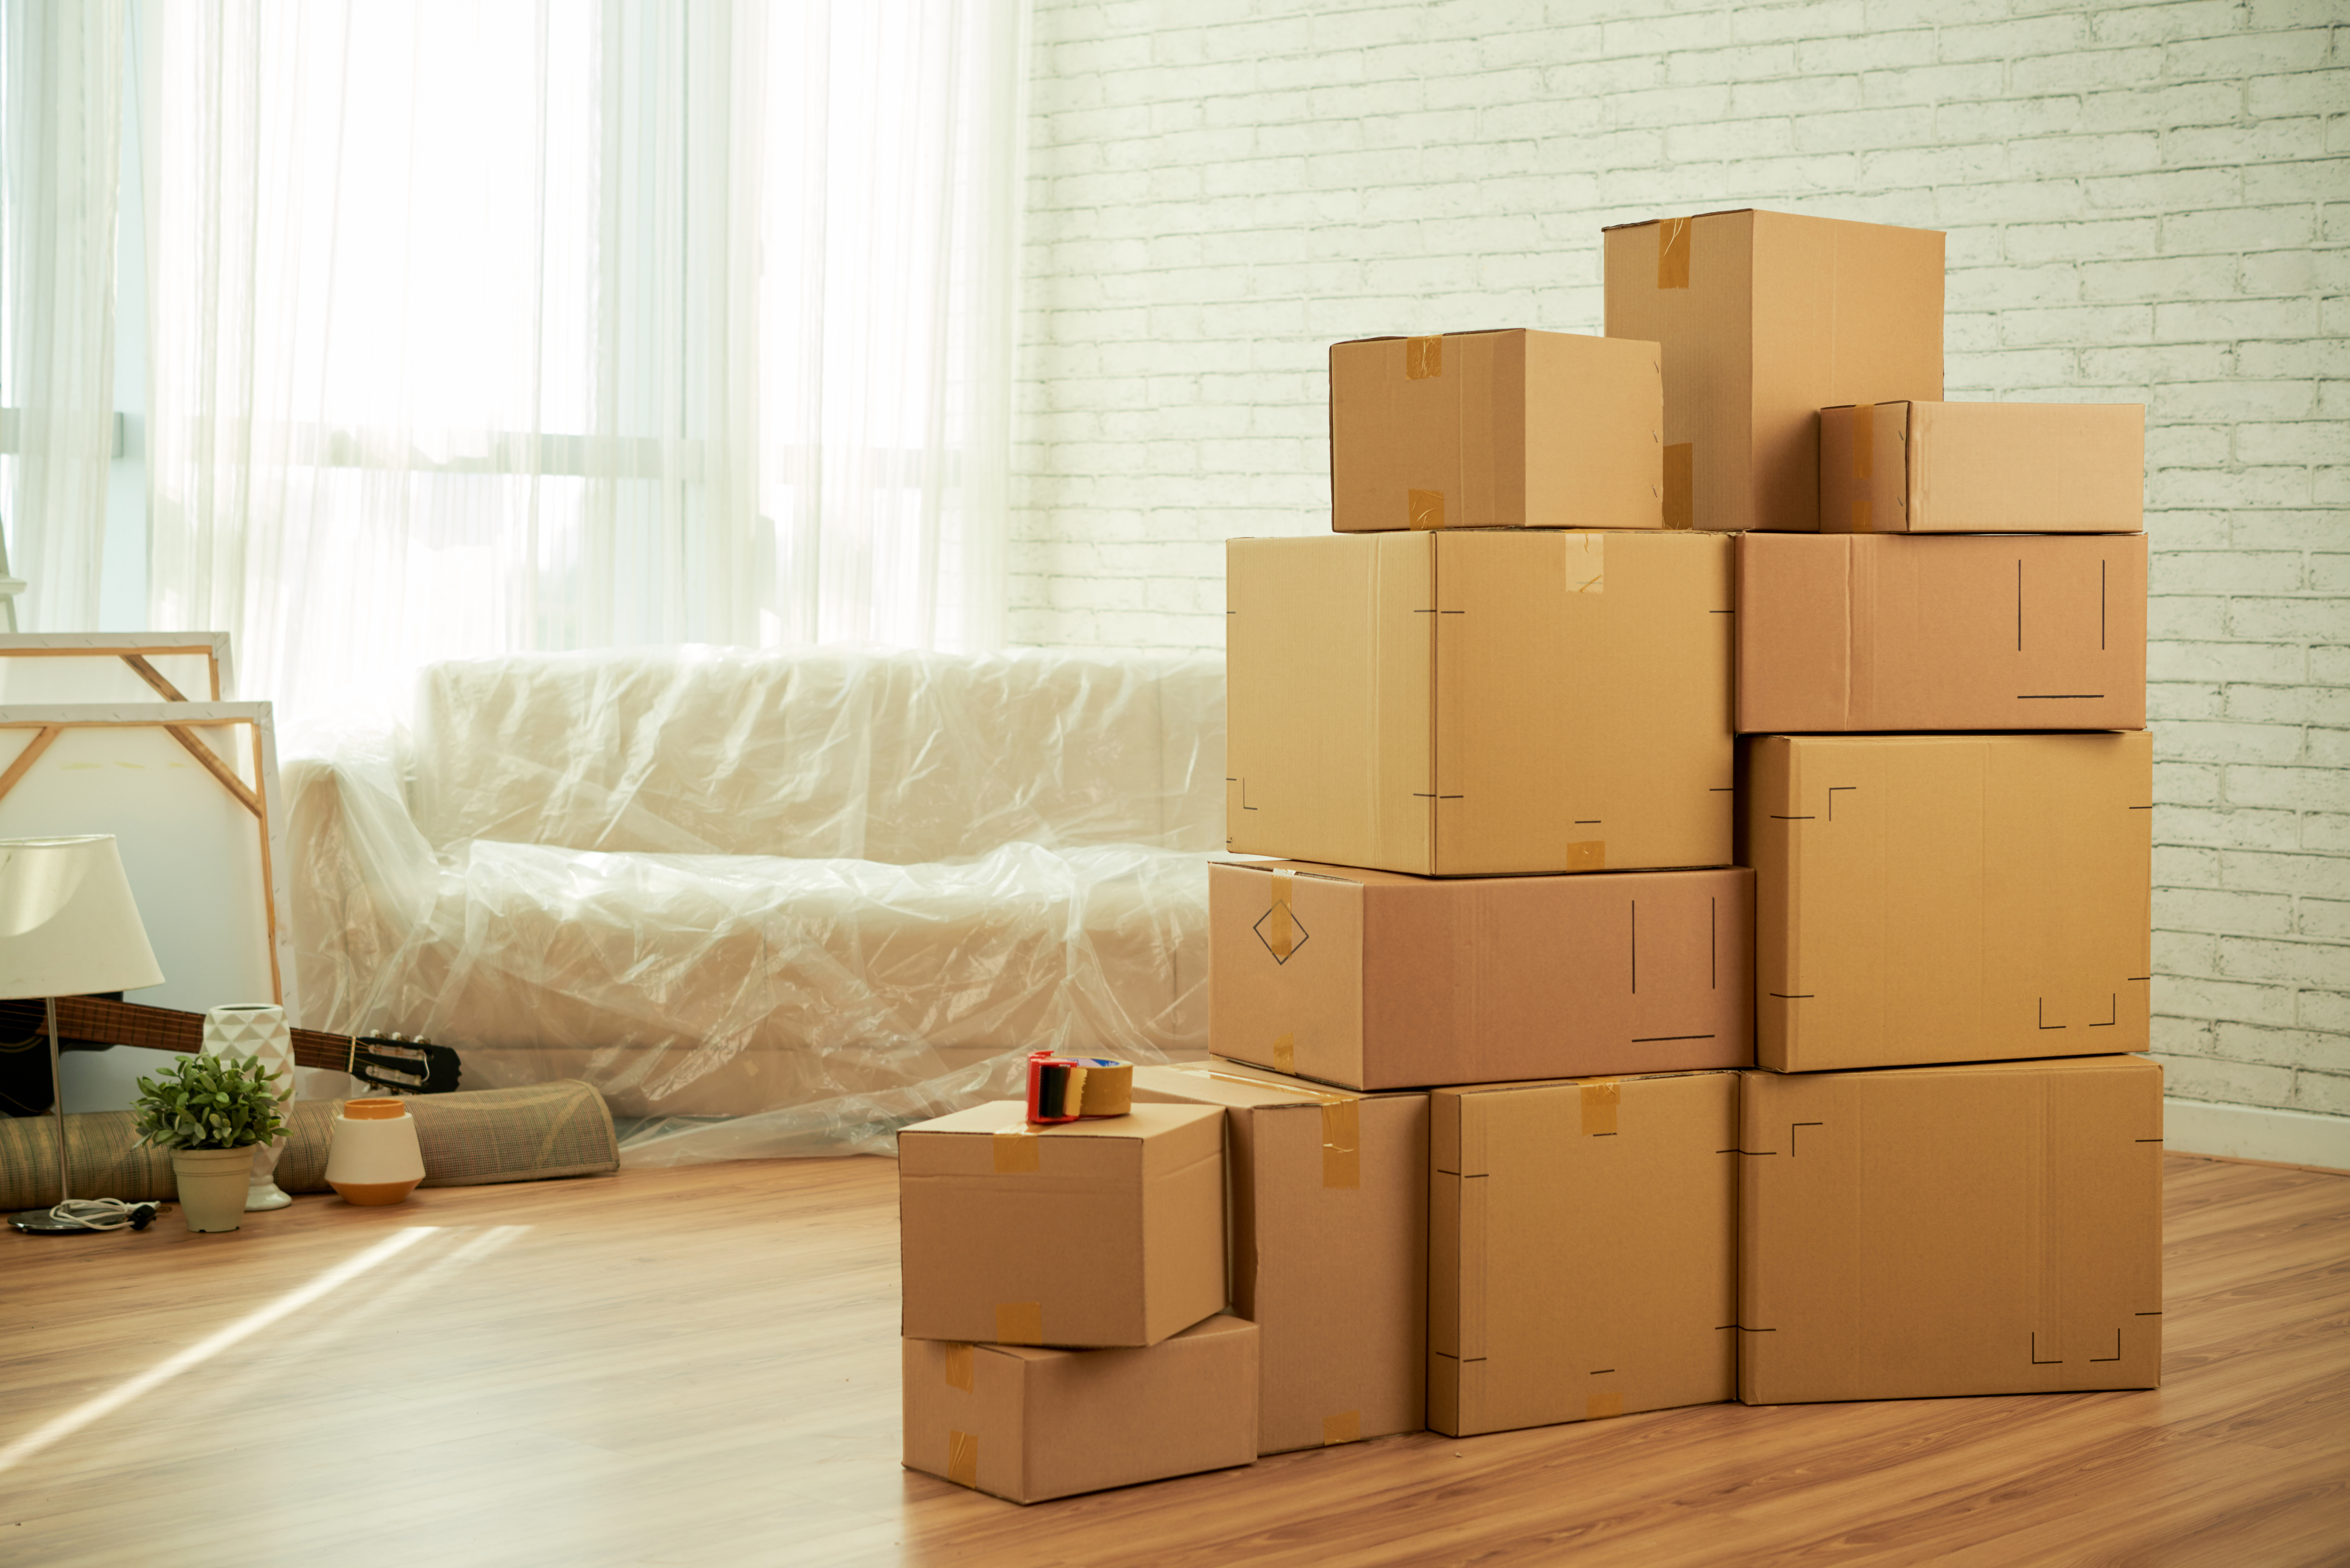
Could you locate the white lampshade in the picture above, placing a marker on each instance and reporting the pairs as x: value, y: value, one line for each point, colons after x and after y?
x: 67, y: 924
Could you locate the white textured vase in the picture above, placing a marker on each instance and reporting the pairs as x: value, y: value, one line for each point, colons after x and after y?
x: 257, y: 1029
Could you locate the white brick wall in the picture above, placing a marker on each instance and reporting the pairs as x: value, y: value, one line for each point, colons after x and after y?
x: 2148, y: 203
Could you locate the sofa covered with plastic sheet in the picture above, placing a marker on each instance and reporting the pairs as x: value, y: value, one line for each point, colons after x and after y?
x: 767, y: 902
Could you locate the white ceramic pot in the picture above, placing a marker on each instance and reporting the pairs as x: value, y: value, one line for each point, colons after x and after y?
x: 213, y: 1184
x: 374, y: 1157
x: 258, y: 1030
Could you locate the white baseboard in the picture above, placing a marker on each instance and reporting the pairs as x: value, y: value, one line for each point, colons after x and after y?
x: 2254, y: 1132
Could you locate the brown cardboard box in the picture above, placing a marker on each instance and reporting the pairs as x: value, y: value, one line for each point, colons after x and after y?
x: 1936, y: 1231
x: 1765, y: 319
x: 1949, y: 897
x: 1106, y: 1233
x: 1903, y: 632
x: 1329, y: 1247
x: 1495, y: 429
x: 1374, y: 980
x: 1476, y: 702
x: 1581, y: 1249
x: 1983, y: 468
x: 1028, y: 1424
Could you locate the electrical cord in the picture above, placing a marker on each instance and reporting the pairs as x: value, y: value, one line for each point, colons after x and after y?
x: 104, y: 1214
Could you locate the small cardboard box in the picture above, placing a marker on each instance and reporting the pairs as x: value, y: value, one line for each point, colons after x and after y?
x: 1476, y: 702
x: 1028, y: 1424
x: 1375, y: 979
x: 1495, y: 429
x: 1329, y: 1247
x: 1983, y: 468
x: 1765, y: 319
x: 1582, y: 1250
x: 1936, y: 1231
x: 1106, y: 1233
x: 1901, y: 632
x: 1949, y: 897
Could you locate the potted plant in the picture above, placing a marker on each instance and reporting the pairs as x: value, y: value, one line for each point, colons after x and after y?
x: 210, y: 1112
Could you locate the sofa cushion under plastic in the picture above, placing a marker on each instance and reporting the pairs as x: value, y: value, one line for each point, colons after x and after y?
x: 870, y: 755
x: 815, y: 1000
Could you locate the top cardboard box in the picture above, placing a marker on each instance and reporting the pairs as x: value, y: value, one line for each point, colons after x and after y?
x: 1107, y: 1232
x: 1495, y: 429
x: 1766, y: 318
x: 1479, y: 701
x: 1983, y: 468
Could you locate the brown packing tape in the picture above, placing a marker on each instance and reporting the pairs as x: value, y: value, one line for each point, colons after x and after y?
x: 1015, y: 1148
x: 1600, y: 1102
x: 1020, y: 1322
x: 1425, y: 508
x: 1587, y: 854
x: 1864, y: 441
x: 1284, y: 1053
x: 1586, y: 563
x: 1109, y: 1091
x: 1423, y: 358
x: 1862, y: 522
x: 1680, y: 486
x: 1301, y: 1091
x: 1599, y: 1407
x: 1345, y: 1427
x: 1281, y: 934
x: 1342, y: 1144
x: 962, y: 1458
x: 959, y: 1368
x: 1673, y: 253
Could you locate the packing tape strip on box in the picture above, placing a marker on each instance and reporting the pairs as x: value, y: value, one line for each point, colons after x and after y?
x: 1864, y: 464
x: 962, y: 1458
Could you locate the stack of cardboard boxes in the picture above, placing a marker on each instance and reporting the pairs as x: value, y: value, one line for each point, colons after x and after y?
x: 1577, y: 1058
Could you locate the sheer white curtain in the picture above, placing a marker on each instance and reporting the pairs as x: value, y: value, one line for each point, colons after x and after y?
x: 484, y: 326
x: 60, y: 119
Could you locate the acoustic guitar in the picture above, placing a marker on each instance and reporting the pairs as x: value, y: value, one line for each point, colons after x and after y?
x: 93, y: 1022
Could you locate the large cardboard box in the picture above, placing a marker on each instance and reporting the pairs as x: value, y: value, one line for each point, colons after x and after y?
x: 1765, y: 319
x: 1949, y: 897
x: 1935, y: 1230
x: 1582, y: 1257
x: 1028, y: 1424
x: 1375, y: 979
x: 1902, y: 632
x: 1468, y: 703
x: 1983, y: 468
x: 1496, y: 430
x: 1107, y: 1232
x: 1329, y: 1196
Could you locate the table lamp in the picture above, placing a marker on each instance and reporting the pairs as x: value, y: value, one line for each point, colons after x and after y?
x: 67, y: 928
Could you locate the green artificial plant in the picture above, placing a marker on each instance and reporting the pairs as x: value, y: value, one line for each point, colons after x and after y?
x: 210, y: 1102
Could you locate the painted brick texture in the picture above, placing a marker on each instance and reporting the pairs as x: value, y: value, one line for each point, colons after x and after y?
x: 2146, y: 204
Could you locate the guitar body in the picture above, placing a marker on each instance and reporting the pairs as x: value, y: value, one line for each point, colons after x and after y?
x: 387, y: 1062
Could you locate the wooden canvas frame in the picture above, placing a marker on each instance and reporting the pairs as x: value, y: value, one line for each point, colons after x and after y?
x: 136, y: 651
x: 203, y: 845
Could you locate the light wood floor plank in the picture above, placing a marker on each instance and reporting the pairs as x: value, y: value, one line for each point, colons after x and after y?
x: 700, y: 1367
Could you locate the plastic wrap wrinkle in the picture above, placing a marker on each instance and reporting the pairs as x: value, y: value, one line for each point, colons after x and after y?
x: 769, y: 903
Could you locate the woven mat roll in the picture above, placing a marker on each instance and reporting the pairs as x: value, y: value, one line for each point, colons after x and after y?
x: 469, y: 1138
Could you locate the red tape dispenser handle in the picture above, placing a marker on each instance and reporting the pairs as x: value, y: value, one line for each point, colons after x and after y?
x: 1065, y: 1088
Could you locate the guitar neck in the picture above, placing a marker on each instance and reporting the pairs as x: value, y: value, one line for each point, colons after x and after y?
x: 99, y: 1022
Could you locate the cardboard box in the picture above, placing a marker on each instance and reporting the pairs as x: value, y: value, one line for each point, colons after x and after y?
x: 1983, y: 468
x: 1903, y: 632
x: 1496, y: 430
x: 1028, y: 1424
x: 1765, y: 319
x: 1374, y: 980
x: 1940, y: 1230
x: 1466, y: 703
x: 1328, y: 1197
x: 1949, y: 897
x: 1581, y: 1249
x: 1104, y: 1232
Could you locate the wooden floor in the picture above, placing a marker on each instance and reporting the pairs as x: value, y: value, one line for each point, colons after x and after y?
x: 701, y: 1367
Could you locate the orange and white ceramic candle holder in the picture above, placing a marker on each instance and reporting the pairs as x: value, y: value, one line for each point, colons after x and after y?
x: 374, y: 1157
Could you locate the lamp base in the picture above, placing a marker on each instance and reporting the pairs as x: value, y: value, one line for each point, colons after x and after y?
x: 41, y: 1222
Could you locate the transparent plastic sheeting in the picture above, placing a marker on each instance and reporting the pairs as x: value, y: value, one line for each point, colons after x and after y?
x: 768, y: 903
